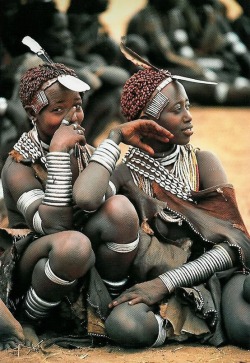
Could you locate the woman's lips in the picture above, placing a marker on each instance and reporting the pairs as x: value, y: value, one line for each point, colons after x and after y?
x: 188, y: 131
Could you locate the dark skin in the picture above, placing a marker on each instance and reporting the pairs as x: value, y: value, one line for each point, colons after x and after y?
x: 66, y: 104
x: 133, y: 319
x: 177, y: 119
x: 20, y: 178
x: 11, y: 331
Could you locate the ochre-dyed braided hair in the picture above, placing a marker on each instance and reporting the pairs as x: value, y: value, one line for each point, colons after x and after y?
x: 33, y: 79
x: 138, y: 89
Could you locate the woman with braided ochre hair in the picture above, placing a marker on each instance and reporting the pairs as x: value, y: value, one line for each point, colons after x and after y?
x: 183, y: 198
x: 63, y: 241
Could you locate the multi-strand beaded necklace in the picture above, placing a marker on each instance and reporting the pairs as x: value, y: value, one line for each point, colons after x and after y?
x: 30, y: 147
x: 180, y: 180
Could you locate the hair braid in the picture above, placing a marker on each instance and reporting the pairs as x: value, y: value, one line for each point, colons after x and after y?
x: 33, y: 79
x: 138, y: 89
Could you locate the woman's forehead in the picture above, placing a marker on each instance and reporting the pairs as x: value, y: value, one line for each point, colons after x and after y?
x: 176, y: 93
x: 58, y: 95
x: 58, y: 91
x: 174, y: 90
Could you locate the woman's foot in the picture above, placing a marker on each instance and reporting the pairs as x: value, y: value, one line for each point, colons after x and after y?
x: 30, y: 336
x: 11, y: 332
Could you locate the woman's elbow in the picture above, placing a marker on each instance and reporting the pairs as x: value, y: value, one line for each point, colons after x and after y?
x: 87, y: 202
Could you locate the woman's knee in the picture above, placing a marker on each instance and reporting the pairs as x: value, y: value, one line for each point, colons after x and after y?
x: 132, y: 326
x: 236, y: 311
x: 71, y: 254
x: 121, y: 215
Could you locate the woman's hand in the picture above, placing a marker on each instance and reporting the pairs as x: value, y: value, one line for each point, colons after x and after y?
x: 149, y: 292
x: 68, y: 134
x: 133, y: 133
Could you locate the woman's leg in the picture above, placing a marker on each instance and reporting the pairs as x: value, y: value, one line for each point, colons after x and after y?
x: 113, y: 231
x: 236, y: 310
x: 135, y: 326
x: 48, y: 269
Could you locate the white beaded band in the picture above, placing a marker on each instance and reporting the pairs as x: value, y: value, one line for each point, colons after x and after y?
x: 123, y: 248
x: 115, y: 283
x: 115, y: 288
x: 54, y: 278
x: 27, y: 198
x: 162, y: 331
x: 58, y: 191
x: 37, y: 223
x: 112, y: 187
x: 107, y: 154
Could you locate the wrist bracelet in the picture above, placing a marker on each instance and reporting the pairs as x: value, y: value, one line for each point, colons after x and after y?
x: 58, y: 191
x: 197, y: 271
x: 107, y: 154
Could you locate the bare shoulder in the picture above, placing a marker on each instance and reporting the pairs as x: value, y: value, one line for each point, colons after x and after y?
x: 211, y: 169
x: 206, y: 155
x: 18, y: 177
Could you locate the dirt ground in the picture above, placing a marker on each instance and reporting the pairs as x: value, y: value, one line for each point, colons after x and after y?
x: 169, y: 354
x: 226, y: 132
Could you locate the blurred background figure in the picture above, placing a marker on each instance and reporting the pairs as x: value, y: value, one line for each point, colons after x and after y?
x: 238, y: 14
x: 194, y: 39
x: 51, y: 28
x: 100, y: 53
x: 92, y: 54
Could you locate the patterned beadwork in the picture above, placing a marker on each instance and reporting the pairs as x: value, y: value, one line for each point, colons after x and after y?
x: 28, y: 148
x: 151, y: 169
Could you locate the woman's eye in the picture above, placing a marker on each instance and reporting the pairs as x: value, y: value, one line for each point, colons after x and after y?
x: 58, y: 109
x: 79, y: 107
x: 177, y: 108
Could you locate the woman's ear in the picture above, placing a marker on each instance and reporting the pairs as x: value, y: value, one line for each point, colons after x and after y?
x: 31, y: 114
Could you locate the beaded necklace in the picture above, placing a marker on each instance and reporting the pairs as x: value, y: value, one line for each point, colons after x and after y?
x: 30, y: 147
x: 180, y: 180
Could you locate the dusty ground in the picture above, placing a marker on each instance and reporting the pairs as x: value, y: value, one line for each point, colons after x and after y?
x: 225, y: 131
x: 170, y: 354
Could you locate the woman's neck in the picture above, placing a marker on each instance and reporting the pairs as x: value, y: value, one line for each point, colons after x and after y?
x: 162, y: 154
x: 161, y: 149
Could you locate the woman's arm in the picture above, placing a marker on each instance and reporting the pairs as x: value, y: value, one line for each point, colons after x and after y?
x: 211, y: 170
x: 92, y: 184
x: 28, y: 195
x: 219, y: 258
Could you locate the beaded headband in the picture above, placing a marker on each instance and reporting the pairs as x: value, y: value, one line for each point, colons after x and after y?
x: 73, y: 83
x: 159, y: 101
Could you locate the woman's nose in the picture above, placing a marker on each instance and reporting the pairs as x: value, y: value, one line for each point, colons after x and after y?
x: 74, y: 117
x: 187, y: 116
